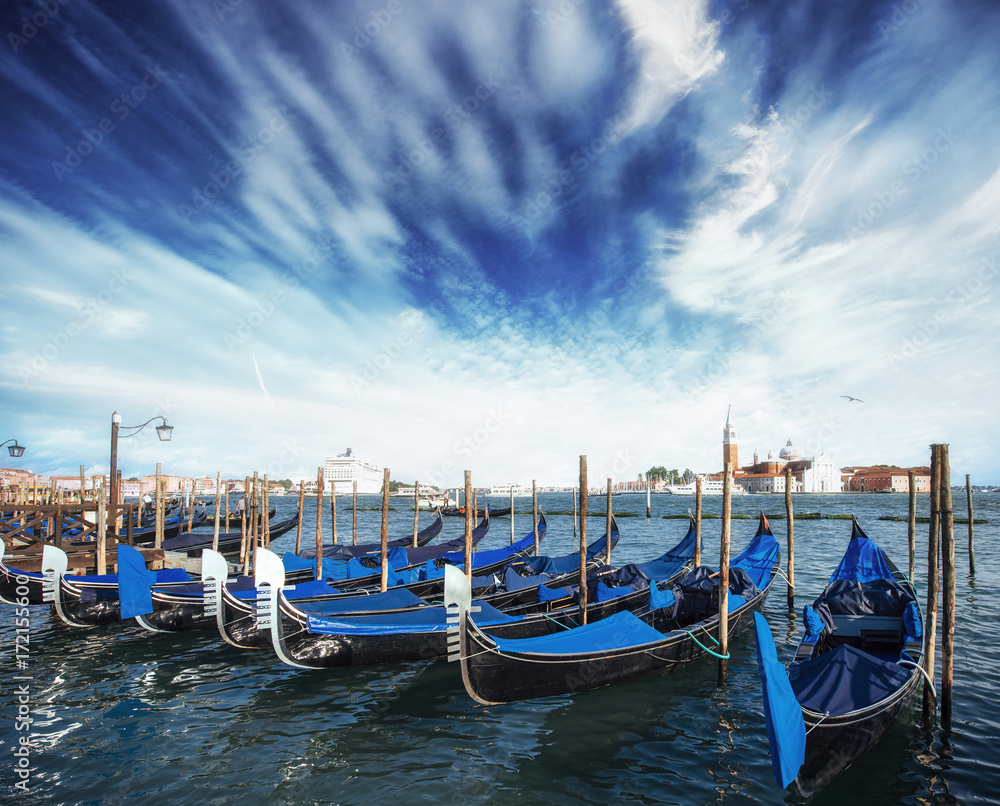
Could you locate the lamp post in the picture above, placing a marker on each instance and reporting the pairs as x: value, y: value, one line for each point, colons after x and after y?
x: 14, y: 450
x: 163, y: 431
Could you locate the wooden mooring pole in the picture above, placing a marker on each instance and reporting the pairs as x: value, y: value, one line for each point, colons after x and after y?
x: 416, y: 511
x: 319, y: 523
x: 649, y: 511
x: 972, y: 547
x: 158, y: 528
x: 218, y: 503
x: 467, y: 554
x: 948, y: 591
x: 727, y: 509
x: 697, y: 522
x: 298, y: 526
x: 583, y: 539
x: 266, y: 514
x: 607, y: 525
x: 354, y: 524
x: 384, y: 585
x: 102, y: 532
x: 512, y: 514
x: 333, y: 510
x: 534, y: 513
x: 930, y: 626
x: 790, y: 531
x: 911, y: 523
x: 574, y: 513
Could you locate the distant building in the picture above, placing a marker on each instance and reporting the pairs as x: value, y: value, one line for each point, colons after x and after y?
x: 879, y: 478
x: 810, y: 474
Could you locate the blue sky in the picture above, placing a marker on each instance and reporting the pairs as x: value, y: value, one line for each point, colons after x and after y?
x: 496, y: 236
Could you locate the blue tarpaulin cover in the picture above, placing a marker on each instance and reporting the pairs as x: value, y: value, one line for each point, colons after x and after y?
x: 428, y: 619
x: 623, y: 629
x: 660, y: 598
x: 786, y: 730
x: 389, y: 600
x: 863, y: 561
x: 844, y: 680
x: 134, y: 583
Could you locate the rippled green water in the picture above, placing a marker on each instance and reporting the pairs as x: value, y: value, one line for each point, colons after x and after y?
x: 122, y: 715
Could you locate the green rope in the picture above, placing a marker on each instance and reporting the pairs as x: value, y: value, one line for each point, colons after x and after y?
x: 709, y: 651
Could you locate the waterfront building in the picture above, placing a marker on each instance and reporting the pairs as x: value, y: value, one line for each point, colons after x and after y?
x: 884, y: 479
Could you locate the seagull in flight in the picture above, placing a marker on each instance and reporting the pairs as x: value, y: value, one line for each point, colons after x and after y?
x: 849, y: 398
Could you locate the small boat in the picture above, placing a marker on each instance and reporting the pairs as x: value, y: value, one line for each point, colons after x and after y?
x: 233, y: 520
x: 855, y: 669
x: 672, y: 628
x: 342, y: 552
x: 709, y: 486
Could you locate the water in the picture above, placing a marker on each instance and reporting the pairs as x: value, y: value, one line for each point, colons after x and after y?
x: 125, y: 716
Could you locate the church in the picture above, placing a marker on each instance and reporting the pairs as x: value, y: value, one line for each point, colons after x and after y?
x: 810, y: 474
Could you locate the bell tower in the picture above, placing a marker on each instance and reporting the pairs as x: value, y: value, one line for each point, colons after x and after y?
x: 729, y: 449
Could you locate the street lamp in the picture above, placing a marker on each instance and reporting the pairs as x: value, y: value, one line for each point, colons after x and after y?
x: 163, y: 431
x: 15, y: 450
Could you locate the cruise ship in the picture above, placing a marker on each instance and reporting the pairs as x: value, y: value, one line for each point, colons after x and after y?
x: 708, y: 487
x: 347, y: 468
x: 507, y: 489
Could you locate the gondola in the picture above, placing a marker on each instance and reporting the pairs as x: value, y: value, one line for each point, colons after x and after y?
x: 674, y: 627
x: 182, y: 608
x: 193, y: 543
x: 309, y: 636
x: 87, y: 601
x: 19, y: 587
x: 342, y: 552
x: 455, y: 512
x: 856, y: 668
x: 232, y: 521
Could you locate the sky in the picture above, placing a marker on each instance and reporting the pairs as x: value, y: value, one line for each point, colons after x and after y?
x: 496, y: 236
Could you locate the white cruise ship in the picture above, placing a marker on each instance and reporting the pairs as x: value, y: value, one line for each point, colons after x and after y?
x: 708, y: 487
x: 507, y: 489
x: 347, y: 468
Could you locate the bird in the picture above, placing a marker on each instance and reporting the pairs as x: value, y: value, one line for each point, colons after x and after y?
x: 849, y: 398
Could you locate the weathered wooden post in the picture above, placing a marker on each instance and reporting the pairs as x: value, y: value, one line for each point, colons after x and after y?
x: 158, y: 529
x: 574, y: 512
x: 467, y: 555
x: 298, y: 526
x: 333, y: 509
x: 255, y: 518
x: 416, y: 511
x: 385, y: 529
x: 930, y: 627
x: 697, y: 522
x: 354, y: 523
x: 972, y: 548
x: 649, y: 511
x: 218, y: 503
x: 607, y: 527
x: 319, y: 523
x: 727, y: 509
x: 790, y: 531
x: 245, y: 528
x: 83, y: 485
x: 266, y: 510
x: 911, y: 523
x: 948, y: 591
x: 512, y: 514
x: 583, y: 539
x: 534, y: 513
x: 102, y: 532
x: 191, y: 509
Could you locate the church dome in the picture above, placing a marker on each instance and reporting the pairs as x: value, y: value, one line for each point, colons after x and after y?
x: 789, y: 452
